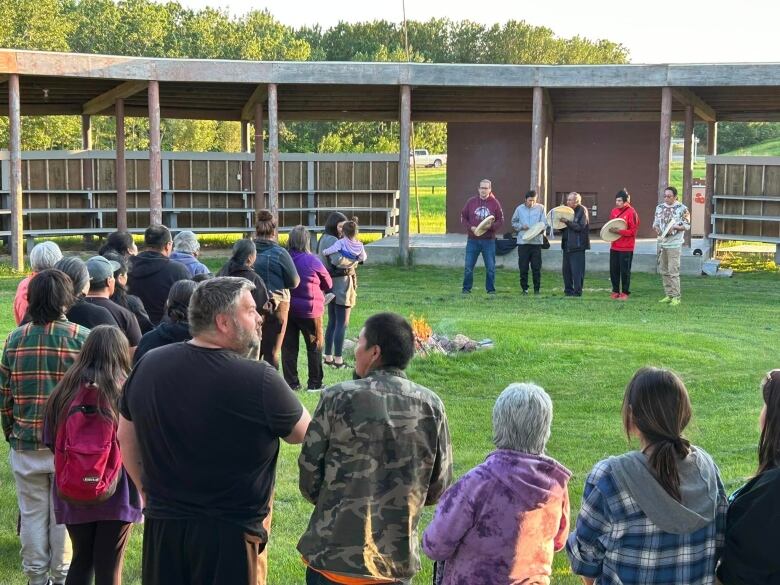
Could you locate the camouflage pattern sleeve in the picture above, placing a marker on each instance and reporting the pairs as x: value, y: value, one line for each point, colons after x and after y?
x: 311, y: 462
x: 441, y: 474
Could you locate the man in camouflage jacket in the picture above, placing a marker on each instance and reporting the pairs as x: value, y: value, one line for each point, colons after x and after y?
x: 377, y: 451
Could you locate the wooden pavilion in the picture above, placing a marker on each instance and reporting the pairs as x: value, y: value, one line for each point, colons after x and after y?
x: 593, y: 129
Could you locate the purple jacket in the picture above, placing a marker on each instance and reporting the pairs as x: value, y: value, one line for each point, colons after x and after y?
x: 501, y: 522
x: 307, y: 300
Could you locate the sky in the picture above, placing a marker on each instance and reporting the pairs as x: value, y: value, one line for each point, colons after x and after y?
x: 655, y: 31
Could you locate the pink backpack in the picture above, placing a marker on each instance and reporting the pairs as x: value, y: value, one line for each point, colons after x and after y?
x: 87, y: 460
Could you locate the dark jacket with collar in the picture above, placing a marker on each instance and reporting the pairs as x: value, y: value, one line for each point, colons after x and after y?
x: 276, y: 268
x: 576, y: 238
x: 151, y: 277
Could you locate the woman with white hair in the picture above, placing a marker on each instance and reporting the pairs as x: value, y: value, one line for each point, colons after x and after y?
x: 42, y: 257
x: 185, y: 251
x: 503, y: 520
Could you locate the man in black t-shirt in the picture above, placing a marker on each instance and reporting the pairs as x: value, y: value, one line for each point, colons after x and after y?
x: 199, y: 429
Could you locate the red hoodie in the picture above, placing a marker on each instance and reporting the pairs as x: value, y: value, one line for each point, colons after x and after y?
x: 476, y: 210
x: 627, y: 239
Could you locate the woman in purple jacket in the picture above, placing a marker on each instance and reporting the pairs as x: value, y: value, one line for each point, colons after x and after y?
x: 307, y: 304
x: 502, y: 521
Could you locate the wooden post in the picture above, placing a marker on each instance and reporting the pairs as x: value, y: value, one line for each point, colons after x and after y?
x: 537, y: 141
x: 244, y: 136
x: 121, y: 173
x: 403, y: 174
x: 86, y: 132
x: 709, y: 203
x: 155, y: 156
x: 666, y: 141
x: 259, y: 169
x: 15, y: 188
x: 273, y: 152
x: 687, y: 194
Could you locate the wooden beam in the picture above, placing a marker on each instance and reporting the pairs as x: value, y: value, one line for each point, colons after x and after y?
x: 259, y: 167
x: 86, y: 132
x: 244, y: 135
x: 537, y: 140
x: 687, y: 194
x: 155, y: 156
x: 258, y: 96
x: 121, y: 169
x: 471, y: 116
x: 273, y: 150
x: 665, y: 141
x: 184, y: 113
x: 750, y: 117
x: 574, y: 117
x: 709, y: 204
x: 15, y: 187
x: 108, y: 99
x: 700, y: 107
x: 405, y: 115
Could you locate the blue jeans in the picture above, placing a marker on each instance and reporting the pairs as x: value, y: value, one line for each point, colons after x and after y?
x: 488, y: 250
x: 338, y: 321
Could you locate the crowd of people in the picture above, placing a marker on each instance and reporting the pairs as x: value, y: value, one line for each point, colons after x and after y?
x: 482, y: 217
x: 181, y: 427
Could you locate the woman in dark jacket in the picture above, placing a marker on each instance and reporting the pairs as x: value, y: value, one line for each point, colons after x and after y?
x: 342, y: 271
x: 121, y: 243
x: 276, y: 268
x: 750, y: 553
x: 241, y: 264
x: 174, y: 326
x: 306, y: 308
x: 122, y: 298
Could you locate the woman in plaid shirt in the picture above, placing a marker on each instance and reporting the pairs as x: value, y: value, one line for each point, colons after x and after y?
x: 656, y: 515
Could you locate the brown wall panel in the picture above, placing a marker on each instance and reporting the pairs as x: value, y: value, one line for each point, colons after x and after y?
x: 499, y: 152
x: 602, y: 158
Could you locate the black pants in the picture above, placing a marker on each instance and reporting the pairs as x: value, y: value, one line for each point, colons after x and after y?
x: 203, y: 551
x: 273, y: 334
x: 311, y: 329
x: 315, y: 578
x: 620, y: 270
x: 530, y: 254
x: 99, y: 551
x: 573, y: 273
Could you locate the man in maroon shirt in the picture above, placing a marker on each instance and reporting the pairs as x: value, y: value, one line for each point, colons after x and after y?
x: 475, y: 211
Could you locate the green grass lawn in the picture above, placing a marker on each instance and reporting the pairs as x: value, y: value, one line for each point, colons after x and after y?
x: 722, y: 339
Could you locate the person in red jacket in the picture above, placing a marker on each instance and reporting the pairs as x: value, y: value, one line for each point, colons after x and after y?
x: 621, y: 252
x: 477, y: 209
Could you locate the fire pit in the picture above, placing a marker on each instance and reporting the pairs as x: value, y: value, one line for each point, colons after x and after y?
x: 426, y: 342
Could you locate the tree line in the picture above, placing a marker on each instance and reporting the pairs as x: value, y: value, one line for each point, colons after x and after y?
x: 150, y: 29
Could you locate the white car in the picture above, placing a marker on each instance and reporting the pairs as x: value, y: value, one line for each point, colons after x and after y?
x: 422, y: 158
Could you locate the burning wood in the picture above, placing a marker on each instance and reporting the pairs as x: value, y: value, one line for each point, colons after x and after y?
x: 427, y: 342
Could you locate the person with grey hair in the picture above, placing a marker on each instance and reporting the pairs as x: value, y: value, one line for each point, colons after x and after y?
x: 185, y: 251
x: 42, y: 257
x: 84, y: 313
x: 502, y: 521
x: 575, y: 239
x: 205, y: 458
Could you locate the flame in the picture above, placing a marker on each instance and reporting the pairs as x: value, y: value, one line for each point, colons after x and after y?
x: 422, y: 330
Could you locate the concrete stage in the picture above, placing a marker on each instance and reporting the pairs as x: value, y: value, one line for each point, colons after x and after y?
x: 450, y: 249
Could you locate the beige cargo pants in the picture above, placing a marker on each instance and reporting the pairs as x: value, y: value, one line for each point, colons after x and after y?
x: 669, y: 269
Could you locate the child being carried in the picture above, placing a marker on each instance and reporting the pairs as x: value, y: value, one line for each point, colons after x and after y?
x: 348, y: 245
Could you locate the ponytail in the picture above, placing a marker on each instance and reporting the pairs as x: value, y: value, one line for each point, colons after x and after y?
x: 656, y: 404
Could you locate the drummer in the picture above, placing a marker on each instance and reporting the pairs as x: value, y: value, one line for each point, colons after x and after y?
x: 621, y: 251
x: 482, y: 217
x: 530, y: 218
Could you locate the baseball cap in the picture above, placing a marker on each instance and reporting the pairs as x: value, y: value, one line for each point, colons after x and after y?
x: 101, y: 268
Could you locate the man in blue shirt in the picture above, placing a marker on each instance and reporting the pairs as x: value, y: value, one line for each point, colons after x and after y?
x: 529, y: 252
